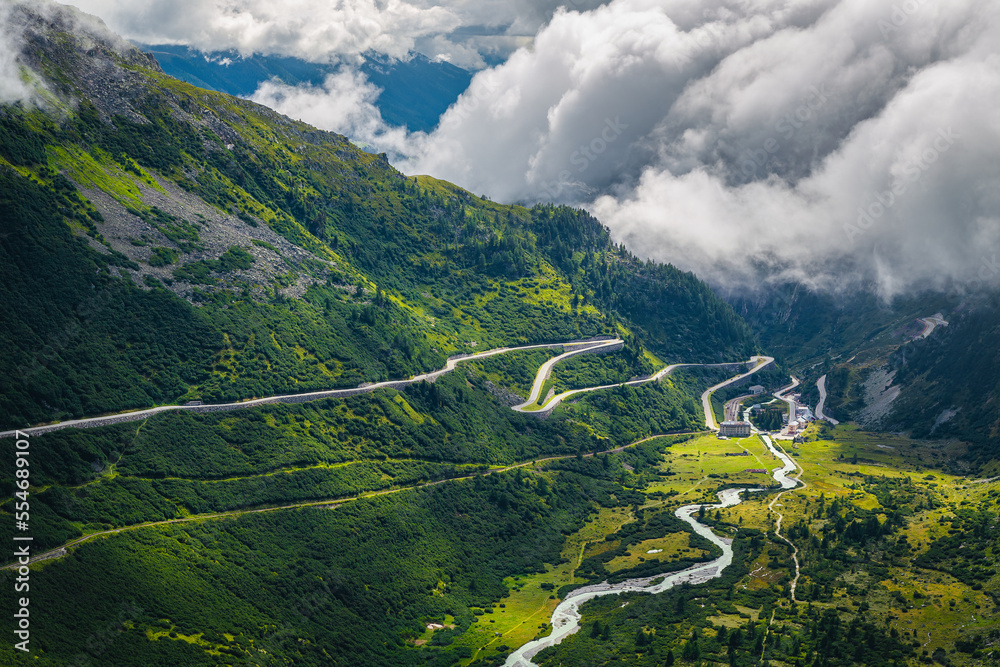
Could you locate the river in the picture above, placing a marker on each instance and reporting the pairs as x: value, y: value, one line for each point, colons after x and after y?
x: 566, y: 617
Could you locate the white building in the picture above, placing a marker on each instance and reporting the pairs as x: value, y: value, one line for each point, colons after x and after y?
x: 731, y: 429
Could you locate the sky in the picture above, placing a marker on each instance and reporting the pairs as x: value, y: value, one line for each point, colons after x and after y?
x: 832, y: 142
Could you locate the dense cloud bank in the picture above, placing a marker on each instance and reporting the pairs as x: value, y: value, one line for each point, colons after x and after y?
x: 19, y: 19
x: 12, y: 87
x: 816, y: 140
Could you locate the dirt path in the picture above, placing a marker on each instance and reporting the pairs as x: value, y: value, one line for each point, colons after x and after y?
x: 333, y: 502
x: 567, y: 616
x: 767, y: 634
x: 756, y: 458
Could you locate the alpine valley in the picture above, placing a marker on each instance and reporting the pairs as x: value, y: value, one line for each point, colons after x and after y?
x: 266, y: 400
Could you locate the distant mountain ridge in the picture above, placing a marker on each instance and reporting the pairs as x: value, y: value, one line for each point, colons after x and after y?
x: 415, y: 92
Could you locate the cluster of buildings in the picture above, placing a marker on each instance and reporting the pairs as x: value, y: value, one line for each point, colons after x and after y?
x: 803, y: 415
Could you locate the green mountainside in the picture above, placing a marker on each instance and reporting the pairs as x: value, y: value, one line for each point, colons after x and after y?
x: 951, y: 380
x: 165, y: 243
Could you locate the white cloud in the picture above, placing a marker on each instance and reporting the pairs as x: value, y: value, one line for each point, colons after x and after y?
x: 801, y: 139
x: 345, y: 103
x: 310, y: 29
x: 724, y: 137
x: 12, y: 86
x: 23, y: 20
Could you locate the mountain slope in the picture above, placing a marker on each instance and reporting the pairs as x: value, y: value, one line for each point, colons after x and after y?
x: 881, y: 369
x: 950, y: 381
x: 166, y: 243
x: 197, y: 246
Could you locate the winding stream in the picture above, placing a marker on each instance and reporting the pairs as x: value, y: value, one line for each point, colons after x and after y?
x: 566, y: 617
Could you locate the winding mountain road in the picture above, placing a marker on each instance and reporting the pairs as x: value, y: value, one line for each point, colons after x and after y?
x: 821, y: 385
x: 566, y: 617
x: 780, y: 395
x: 931, y: 323
x: 706, y: 398
x: 760, y: 362
x: 545, y: 371
x: 572, y: 349
x: 579, y: 347
x: 757, y: 363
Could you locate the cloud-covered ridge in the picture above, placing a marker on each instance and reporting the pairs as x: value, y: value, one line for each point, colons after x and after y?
x: 23, y: 21
x: 14, y: 77
x: 345, y: 103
